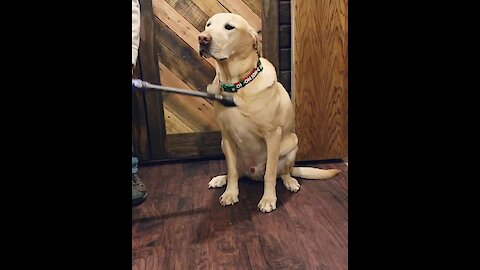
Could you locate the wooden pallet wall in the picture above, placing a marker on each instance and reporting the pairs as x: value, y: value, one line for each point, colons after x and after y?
x: 177, y: 25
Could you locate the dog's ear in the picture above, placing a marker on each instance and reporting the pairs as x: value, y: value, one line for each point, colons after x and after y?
x: 257, y: 40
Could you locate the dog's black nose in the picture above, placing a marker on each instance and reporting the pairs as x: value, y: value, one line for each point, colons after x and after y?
x: 204, y: 38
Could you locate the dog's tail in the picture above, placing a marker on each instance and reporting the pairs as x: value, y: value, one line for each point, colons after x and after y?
x: 313, y: 173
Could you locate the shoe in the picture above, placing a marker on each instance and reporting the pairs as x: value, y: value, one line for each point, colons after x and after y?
x: 139, y: 192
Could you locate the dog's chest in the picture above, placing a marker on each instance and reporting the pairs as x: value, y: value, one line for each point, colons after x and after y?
x: 250, y: 146
x: 239, y: 126
x: 243, y: 131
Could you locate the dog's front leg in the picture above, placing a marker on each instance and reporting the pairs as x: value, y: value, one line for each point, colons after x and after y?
x: 230, y: 196
x: 268, y: 202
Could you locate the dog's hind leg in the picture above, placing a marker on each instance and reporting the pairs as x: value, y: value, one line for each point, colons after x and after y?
x: 289, y: 142
x: 288, y: 152
x: 287, y: 163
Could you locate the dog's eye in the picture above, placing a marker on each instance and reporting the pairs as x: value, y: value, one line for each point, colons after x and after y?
x: 229, y: 27
x: 208, y: 24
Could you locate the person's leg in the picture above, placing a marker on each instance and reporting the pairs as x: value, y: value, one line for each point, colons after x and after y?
x: 139, y: 192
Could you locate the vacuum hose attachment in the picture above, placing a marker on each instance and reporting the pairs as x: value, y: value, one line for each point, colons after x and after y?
x: 227, y: 101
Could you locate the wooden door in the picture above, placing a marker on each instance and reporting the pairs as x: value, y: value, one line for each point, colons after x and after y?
x: 320, y: 78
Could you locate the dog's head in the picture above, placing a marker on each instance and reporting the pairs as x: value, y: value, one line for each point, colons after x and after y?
x: 227, y: 35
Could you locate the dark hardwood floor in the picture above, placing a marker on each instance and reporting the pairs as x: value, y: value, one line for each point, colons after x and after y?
x: 183, y: 226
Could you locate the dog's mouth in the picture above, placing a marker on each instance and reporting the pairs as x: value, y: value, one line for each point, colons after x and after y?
x: 205, y: 52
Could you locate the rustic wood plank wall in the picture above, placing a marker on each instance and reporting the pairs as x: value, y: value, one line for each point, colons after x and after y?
x: 178, y: 23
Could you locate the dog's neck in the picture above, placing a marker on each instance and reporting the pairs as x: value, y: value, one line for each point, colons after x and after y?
x: 237, y: 68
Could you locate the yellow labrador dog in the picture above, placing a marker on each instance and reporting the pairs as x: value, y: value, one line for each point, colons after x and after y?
x: 257, y: 135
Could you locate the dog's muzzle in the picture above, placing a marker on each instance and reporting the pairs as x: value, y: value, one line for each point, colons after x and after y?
x: 204, y: 40
x: 204, y: 50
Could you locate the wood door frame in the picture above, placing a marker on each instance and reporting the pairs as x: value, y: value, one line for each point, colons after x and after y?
x: 158, y: 146
x: 150, y: 101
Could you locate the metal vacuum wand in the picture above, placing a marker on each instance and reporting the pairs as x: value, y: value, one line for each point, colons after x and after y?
x: 224, y: 100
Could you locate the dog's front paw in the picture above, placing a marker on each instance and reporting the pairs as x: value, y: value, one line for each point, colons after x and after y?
x: 291, y: 184
x: 229, y: 197
x: 267, y: 203
x: 217, y: 181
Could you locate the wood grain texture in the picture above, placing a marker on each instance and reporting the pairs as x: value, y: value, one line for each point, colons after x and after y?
x: 170, y: 79
x: 205, y: 143
x: 149, y: 66
x: 345, y: 84
x: 320, y: 78
x: 174, y: 125
x: 255, y: 6
x: 192, y: 111
x: 195, y: 112
x: 183, y: 226
x: 190, y: 11
x: 182, y: 71
x: 210, y: 7
x: 182, y: 118
x: 181, y: 59
x: 270, y: 32
x: 178, y: 24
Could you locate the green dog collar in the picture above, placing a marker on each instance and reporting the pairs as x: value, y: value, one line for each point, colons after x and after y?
x: 233, y: 88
